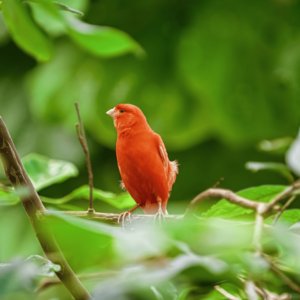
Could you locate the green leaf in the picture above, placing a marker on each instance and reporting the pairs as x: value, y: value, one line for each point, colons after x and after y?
x: 101, y: 40
x: 278, y: 145
x: 225, y: 209
x: 8, y: 197
x: 46, y: 267
x: 68, y: 8
x: 273, y: 166
x: 120, y: 201
x: 46, y: 15
x: 290, y: 216
x: 44, y: 171
x: 25, y: 32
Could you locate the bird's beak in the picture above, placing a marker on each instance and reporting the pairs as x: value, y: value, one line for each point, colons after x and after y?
x: 111, y: 112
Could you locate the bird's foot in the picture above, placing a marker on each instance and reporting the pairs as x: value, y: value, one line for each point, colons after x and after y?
x: 160, y: 214
x: 123, y: 217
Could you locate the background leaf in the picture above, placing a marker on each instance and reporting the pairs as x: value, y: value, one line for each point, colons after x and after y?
x: 120, y: 201
x: 293, y: 156
x: 24, y: 31
x: 8, y: 197
x: 101, y: 40
x: 44, y: 171
x: 264, y: 193
x: 47, y: 17
x: 272, y: 166
x: 278, y: 146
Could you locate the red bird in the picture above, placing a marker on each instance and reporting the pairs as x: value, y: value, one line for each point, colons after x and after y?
x: 143, y: 161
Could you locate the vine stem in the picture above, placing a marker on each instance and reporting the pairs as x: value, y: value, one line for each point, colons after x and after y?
x: 15, y: 172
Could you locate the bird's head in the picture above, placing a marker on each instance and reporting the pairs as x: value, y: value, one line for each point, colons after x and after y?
x: 126, y: 116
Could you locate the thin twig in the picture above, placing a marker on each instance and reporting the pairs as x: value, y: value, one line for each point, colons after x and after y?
x: 218, y: 183
x: 295, y: 287
x: 15, y: 172
x: 286, y: 193
x: 267, y: 295
x: 225, y: 293
x: 284, y: 207
x: 82, y: 140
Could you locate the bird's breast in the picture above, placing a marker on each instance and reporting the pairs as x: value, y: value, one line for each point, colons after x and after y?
x: 141, y: 168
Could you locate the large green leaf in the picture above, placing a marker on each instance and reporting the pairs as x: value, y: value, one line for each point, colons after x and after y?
x: 46, y: 15
x: 44, y: 171
x: 101, y: 40
x: 225, y: 209
x: 120, y: 201
x: 25, y: 32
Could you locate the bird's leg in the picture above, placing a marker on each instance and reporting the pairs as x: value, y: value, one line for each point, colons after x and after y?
x: 127, y: 213
x: 159, y: 213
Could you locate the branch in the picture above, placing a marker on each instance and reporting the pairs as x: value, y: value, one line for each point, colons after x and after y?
x: 295, y: 287
x: 286, y: 193
x: 284, y: 207
x: 267, y: 295
x: 250, y: 290
x: 34, y: 208
x: 82, y: 140
x: 112, y: 219
x: 258, y: 228
x: 225, y: 293
x: 215, y: 193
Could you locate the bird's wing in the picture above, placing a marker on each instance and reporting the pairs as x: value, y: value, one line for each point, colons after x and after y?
x: 170, y: 167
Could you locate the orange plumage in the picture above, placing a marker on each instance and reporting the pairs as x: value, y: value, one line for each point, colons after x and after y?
x: 145, y: 169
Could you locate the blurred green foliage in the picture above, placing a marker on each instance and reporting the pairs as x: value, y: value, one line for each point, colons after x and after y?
x: 217, y: 78
x: 214, y: 78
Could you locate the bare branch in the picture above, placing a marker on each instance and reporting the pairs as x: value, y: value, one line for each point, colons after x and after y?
x: 267, y: 295
x: 82, y: 140
x: 284, y: 207
x: 113, y: 218
x: 34, y: 208
x: 286, y: 193
x: 250, y: 290
x: 258, y: 227
x: 214, y: 193
x: 295, y: 287
x: 225, y: 293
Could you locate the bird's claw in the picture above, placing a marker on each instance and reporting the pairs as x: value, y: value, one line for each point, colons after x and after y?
x: 160, y: 214
x: 123, y: 216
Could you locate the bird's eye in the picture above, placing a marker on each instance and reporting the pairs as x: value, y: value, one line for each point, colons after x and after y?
x: 122, y: 111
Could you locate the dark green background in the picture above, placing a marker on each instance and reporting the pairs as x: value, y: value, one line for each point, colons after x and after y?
x: 218, y: 77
